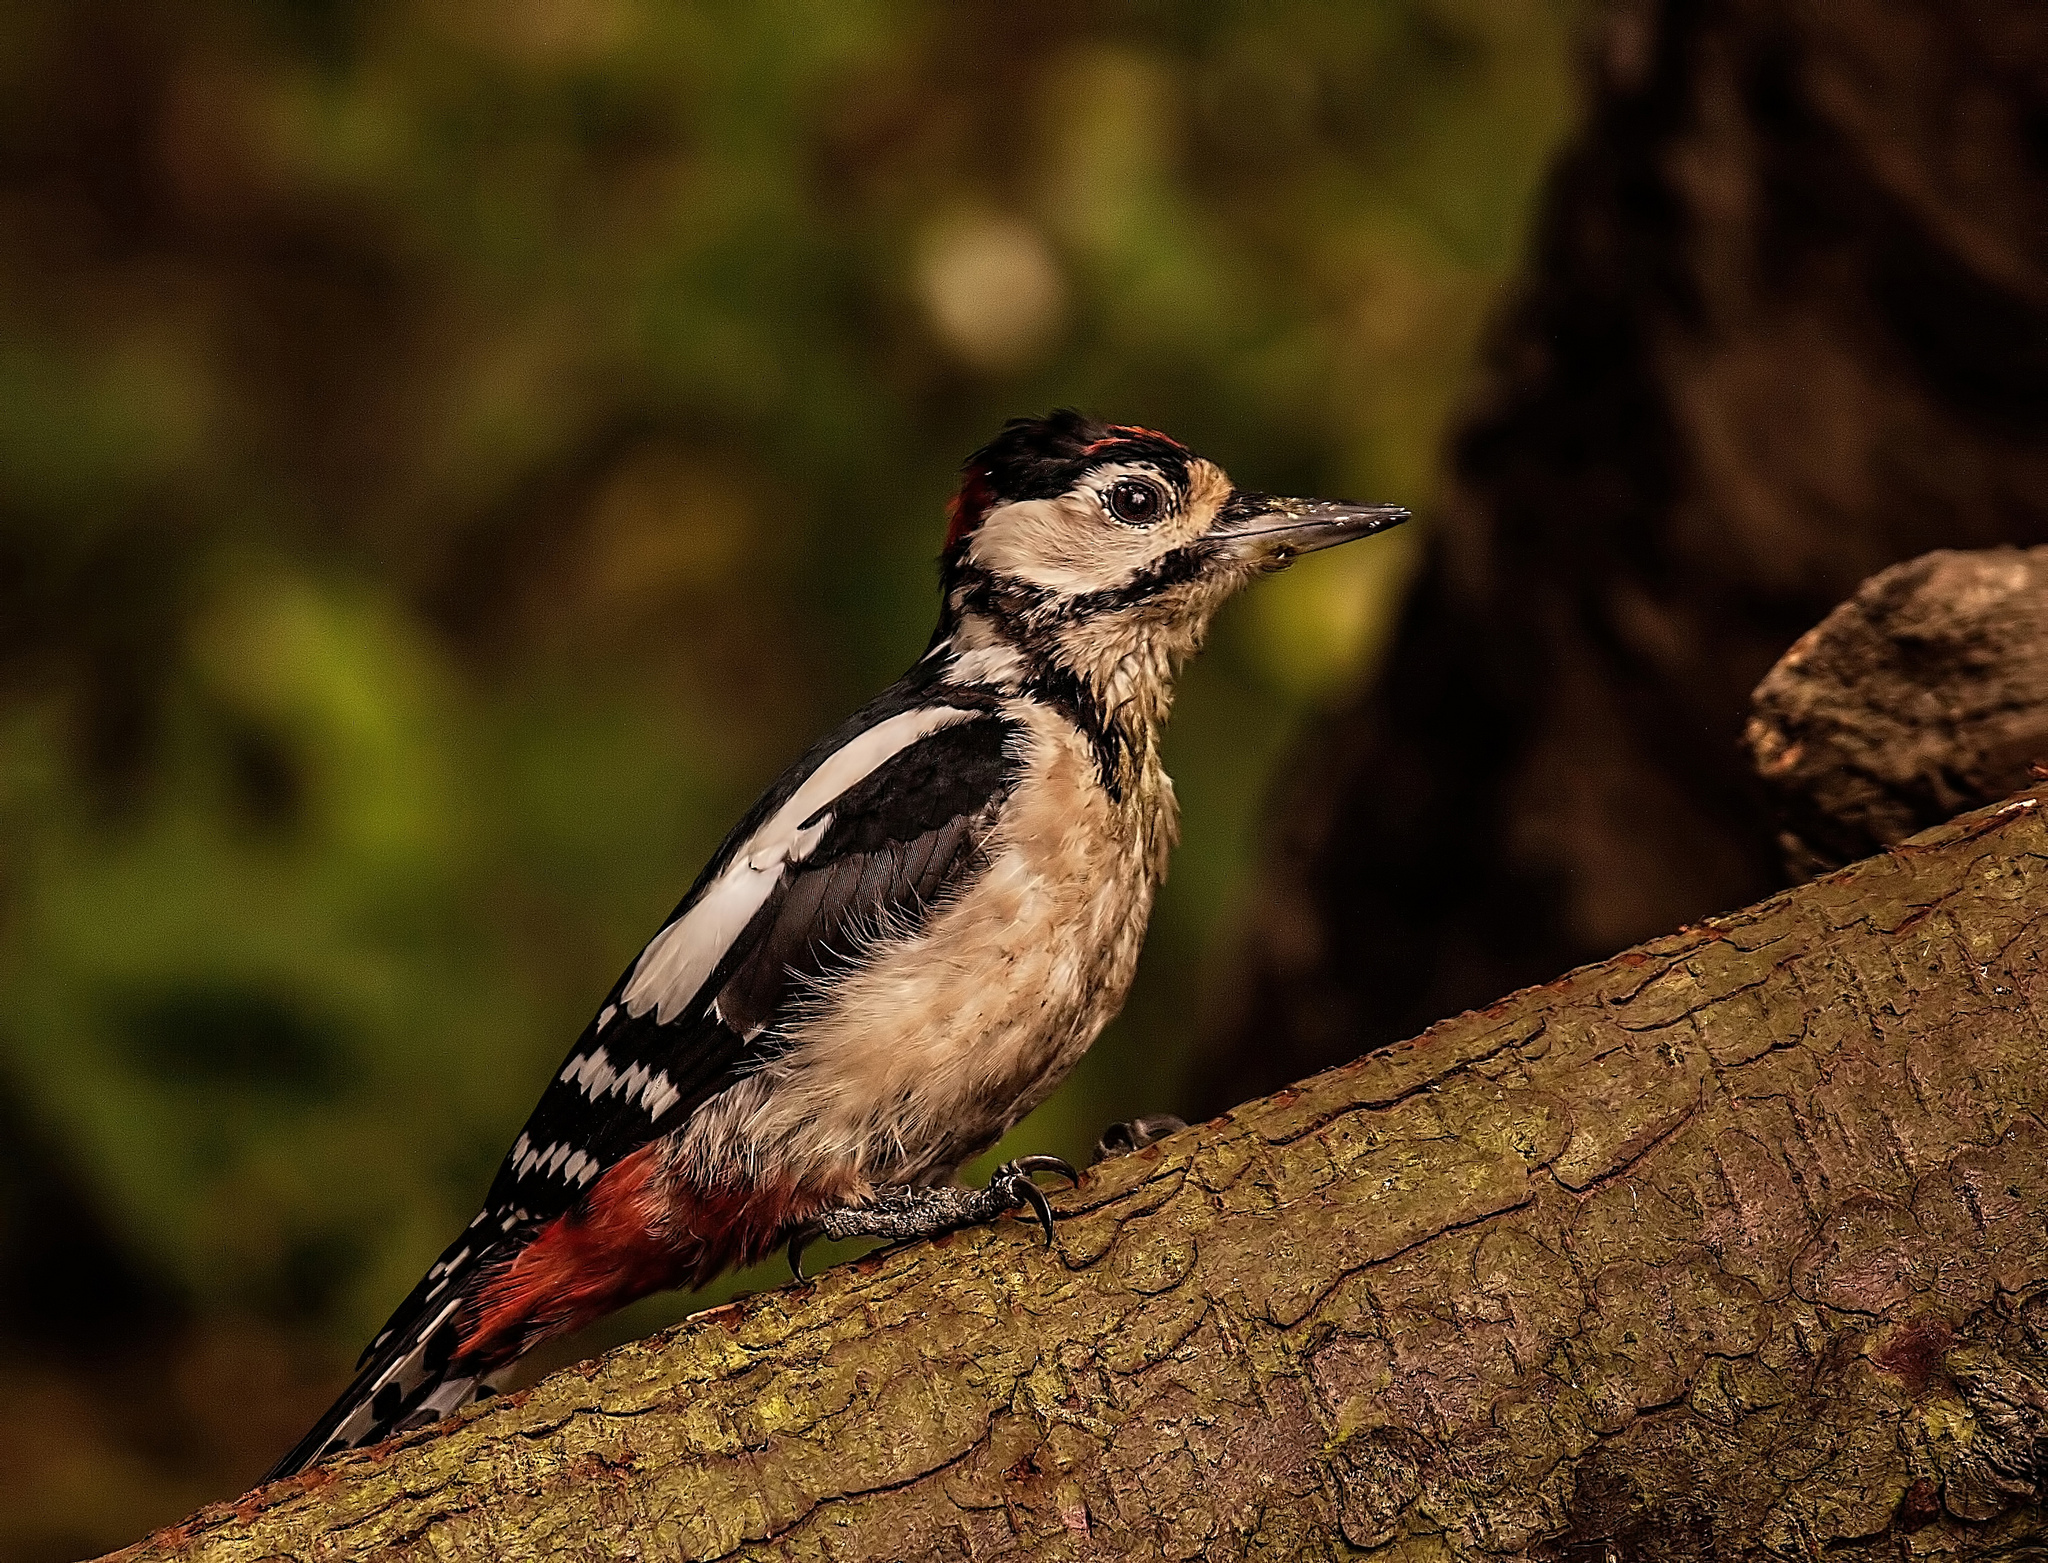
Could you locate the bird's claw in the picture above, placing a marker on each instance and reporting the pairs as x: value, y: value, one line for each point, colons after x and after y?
x: 1013, y: 1181
x: 799, y: 1240
x: 1134, y: 1134
x: 1029, y: 1165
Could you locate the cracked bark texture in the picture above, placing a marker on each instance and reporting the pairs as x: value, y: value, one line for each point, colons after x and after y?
x: 1732, y: 1246
x: 1785, y: 323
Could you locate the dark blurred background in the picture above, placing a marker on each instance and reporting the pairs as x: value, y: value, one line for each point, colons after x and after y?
x: 453, y: 454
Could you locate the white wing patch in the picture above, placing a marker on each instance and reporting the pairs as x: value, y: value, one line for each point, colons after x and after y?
x: 679, y: 959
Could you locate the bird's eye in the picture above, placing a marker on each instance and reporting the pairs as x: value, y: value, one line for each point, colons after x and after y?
x: 1134, y: 502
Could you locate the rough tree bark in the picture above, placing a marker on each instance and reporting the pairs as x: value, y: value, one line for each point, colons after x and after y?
x: 1785, y: 323
x: 1732, y: 1246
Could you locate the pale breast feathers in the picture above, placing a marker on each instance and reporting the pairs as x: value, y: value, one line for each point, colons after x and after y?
x: 924, y: 1056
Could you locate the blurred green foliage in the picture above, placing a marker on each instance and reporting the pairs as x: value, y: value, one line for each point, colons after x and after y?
x: 452, y: 454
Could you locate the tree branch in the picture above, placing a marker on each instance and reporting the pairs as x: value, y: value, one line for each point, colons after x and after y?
x: 1730, y: 1246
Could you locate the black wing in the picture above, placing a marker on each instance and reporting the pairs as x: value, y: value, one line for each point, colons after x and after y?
x: 899, y: 839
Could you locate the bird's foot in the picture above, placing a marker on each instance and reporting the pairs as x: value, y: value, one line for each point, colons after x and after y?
x: 900, y: 1214
x: 1134, y: 1134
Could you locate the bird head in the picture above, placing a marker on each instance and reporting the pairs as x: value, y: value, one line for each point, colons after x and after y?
x: 1100, y: 552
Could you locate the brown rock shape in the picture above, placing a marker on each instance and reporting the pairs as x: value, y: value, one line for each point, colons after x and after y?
x: 1923, y: 695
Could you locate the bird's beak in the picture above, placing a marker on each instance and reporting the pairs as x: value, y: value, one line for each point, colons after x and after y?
x: 1266, y: 529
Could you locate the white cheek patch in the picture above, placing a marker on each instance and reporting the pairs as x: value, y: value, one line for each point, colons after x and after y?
x: 987, y: 665
x: 1068, y: 546
x: 679, y: 959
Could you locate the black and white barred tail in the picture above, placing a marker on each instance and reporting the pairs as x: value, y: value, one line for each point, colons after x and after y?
x: 407, y: 1378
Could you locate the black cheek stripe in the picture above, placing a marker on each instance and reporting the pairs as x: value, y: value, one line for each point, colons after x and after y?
x: 1068, y: 694
x: 1028, y: 617
x: 1177, y: 568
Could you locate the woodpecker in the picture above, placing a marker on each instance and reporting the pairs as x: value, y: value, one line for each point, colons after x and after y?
x: 898, y: 952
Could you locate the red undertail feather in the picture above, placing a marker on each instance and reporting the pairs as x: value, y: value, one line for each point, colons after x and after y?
x: 639, y: 1232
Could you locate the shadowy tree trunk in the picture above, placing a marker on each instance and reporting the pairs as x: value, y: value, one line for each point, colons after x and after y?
x: 1729, y: 1247
x: 1786, y: 323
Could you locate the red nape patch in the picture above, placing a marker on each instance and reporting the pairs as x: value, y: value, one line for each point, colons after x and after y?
x: 969, y: 506
x: 1120, y: 432
x: 639, y: 1232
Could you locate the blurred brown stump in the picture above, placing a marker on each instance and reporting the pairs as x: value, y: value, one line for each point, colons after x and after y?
x: 1923, y: 695
x: 1732, y: 1246
x: 1785, y: 324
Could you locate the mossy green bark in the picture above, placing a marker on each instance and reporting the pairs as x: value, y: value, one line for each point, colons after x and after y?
x: 1733, y: 1246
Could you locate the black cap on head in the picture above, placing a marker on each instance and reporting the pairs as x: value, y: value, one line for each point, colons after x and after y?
x: 1042, y: 458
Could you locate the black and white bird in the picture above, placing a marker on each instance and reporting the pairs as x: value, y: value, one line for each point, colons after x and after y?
x: 902, y: 948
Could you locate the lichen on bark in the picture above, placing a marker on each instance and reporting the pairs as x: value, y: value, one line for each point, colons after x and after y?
x: 1732, y: 1246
